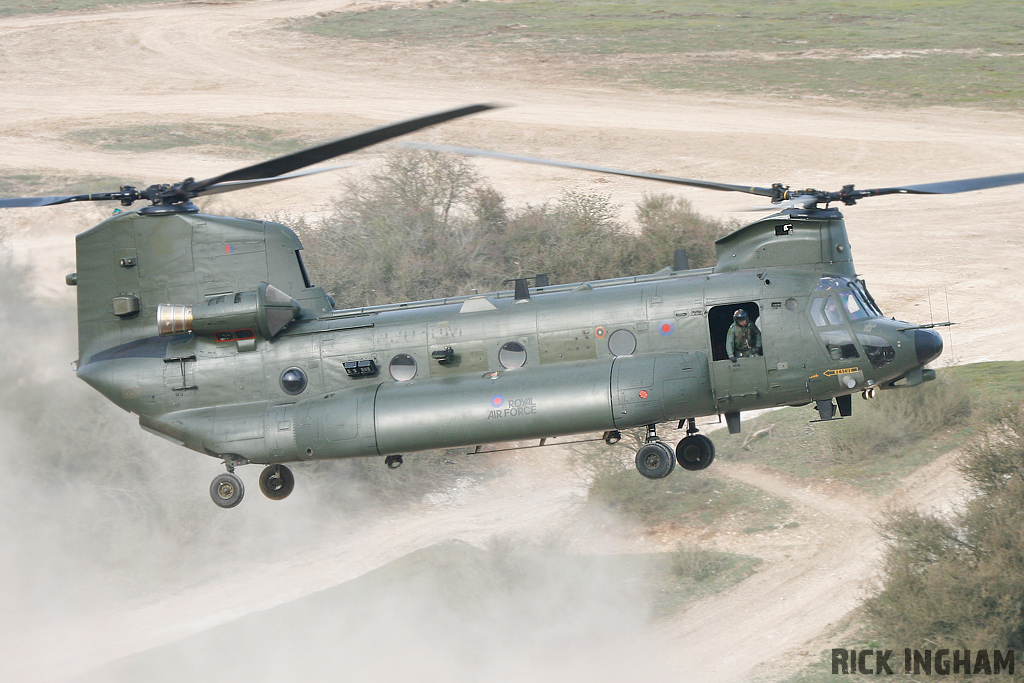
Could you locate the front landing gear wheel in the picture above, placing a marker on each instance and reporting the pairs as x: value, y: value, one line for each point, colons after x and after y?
x: 655, y: 460
x: 695, y: 452
x: 393, y: 462
x: 276, y: 482
x: 227, y: 490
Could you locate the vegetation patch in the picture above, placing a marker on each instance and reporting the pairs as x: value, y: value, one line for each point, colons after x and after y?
x: 12, y: 7
x: 908, y: 52
x: 17, y: 184
x: 689, y: 499
x: 955, y: 581
x: 887, y: 438
x: 992, y: 386
x: 426, y: 225
x: 688, y: 574
x: 160, y: 137
x: 882, y: 442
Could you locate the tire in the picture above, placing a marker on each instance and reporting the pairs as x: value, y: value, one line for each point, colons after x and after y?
x: 277, y: 482
x: 655, y: 460
x: 695, y: 452
x: 227, y: 490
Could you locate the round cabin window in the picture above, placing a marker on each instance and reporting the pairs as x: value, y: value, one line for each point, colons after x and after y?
x: 293, y: 381
x: 622, y: 343
x: 402, y: 368
x: 512, y: 355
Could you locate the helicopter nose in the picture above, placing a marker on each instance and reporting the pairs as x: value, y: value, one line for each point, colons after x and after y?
x: 928, y: 345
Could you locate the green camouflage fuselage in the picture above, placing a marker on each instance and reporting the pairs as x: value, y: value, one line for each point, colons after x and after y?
x: 208, y: 329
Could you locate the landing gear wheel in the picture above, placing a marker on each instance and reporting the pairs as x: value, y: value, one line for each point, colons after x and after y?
x: 276, y: 482
x: 393, y: 462
x: 655, y: 460
x: 613, y: 437
x: 695, y: 452
x: 227, y: 490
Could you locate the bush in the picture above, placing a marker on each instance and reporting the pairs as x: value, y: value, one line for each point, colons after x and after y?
x: 898, y: 418
x: 576, y: 239
x: 426, y: 225
x: 959, y: 582
x: 409, y: 231
x: 669, y: 222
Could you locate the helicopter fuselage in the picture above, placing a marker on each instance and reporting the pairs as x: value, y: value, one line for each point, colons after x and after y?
x: 521, y: 364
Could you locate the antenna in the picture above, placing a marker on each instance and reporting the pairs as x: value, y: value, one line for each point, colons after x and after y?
x: 952, y: 355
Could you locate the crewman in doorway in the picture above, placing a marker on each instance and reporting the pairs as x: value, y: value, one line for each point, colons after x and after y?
x: 743, y: 339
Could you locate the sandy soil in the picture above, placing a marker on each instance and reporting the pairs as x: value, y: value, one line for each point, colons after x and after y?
x: 227, y: 63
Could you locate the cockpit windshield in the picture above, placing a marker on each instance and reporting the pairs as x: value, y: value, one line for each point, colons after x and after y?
x: 855, y: 308
x: 853, y: 296
x: 861, y: 289
x: 827, y: 283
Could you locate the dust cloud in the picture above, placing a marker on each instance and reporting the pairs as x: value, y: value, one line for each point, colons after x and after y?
x: 512, y: 611
x: 118, y: 567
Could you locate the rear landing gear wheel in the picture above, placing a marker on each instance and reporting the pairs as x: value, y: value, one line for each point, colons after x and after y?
x: 612, y: 437
x: 227, y: 490
x: 695, y: 452
x: 655, y: 460
x: 393, y: 462
x: 276, y: 482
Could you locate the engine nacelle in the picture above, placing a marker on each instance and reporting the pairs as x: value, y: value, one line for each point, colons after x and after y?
x: 265, y: 311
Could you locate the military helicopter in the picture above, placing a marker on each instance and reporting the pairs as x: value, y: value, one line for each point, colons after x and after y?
x: 209, y: 329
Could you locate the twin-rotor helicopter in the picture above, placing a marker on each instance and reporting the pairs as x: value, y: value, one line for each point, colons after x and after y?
x: 209, y: 329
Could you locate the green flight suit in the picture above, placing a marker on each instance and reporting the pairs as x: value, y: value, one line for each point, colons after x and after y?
x: 743, y: 341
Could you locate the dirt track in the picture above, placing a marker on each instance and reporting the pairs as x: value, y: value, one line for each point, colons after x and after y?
x: 227, y: 63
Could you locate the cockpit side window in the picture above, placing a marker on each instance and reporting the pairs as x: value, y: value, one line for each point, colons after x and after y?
x: 825, y: 312
x: 816, y: 314
x: 839, y: 344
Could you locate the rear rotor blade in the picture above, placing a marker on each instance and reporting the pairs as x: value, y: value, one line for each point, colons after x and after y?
x: 335, y: 148
x: 17, y: 202
x: 760, y: 191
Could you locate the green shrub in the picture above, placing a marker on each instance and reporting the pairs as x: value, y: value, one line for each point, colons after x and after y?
x: 898, y: 418
x: 959, y: 581
x: 426, y: 225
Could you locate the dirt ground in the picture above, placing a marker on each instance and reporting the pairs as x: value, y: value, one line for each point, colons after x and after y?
x: 202, y: 63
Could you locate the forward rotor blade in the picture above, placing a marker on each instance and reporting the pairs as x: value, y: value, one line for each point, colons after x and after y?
x: 954, y: 186
x: 329, y: 150
x: 760, y: 191
x: 233, y: 185
x: 804, y: 201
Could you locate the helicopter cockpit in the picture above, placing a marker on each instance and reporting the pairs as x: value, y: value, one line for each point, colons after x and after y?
x: 839, y: 309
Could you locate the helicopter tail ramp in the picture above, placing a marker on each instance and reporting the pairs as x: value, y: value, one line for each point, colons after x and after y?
x: 133, y: 262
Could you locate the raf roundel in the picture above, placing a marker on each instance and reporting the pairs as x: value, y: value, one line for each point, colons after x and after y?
x: 497, y: 401
x: 665, y: 328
